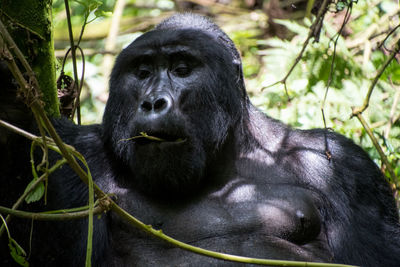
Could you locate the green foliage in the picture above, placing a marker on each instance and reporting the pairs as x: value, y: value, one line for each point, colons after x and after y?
x: 246, y: 42
x: 16, y: 251
x: 93, y: 7
x: 353, y: 70
x: 392, y: 71
x: 36, y: 194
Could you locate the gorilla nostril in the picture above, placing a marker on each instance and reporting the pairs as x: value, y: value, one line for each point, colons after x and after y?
x: 146, y: 106
x: 156, y: 103
x: 160, y: 104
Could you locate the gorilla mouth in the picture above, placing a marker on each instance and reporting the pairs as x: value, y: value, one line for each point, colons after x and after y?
x: 148, y: 138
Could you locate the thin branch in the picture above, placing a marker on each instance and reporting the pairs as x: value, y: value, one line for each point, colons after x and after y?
x: 328, y: 84
x: 388, y: 35
x: 339, y: 33
x: 375, y: 81
x: 13, y: 46
x: 159, y: 234
x: 371, y: 135
x: 19, y: 131
x: 357, y: 112
x: 311, y: 32
x: 73, y: 52
x: 32, y: 186
x: 30, y: 189
x: 76, y: 106
x: 40, y: 216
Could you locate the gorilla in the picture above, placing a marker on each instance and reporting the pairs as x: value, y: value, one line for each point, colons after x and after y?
x: 216, y: 173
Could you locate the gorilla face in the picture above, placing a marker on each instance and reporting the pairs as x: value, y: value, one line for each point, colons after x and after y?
x: 176, y: 86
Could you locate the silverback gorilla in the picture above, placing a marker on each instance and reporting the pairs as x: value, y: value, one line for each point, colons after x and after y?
x: 222, y: 175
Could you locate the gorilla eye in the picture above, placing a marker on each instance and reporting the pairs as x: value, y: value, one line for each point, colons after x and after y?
x: 143, y: 72
x: 182, y: 70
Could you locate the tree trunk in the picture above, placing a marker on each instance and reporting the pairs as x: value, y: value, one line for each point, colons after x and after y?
x: 30, y: 24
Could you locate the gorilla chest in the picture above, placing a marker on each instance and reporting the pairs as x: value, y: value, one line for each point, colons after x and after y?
x: 242, y: 218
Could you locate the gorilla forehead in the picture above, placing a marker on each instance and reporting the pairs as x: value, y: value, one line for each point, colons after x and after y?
x: 194, y: 21
x: 167, y: 41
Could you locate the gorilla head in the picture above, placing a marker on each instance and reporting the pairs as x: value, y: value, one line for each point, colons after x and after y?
x: 181, y: 83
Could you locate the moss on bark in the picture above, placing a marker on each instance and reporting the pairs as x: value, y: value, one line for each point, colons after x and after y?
x: 30, y: 24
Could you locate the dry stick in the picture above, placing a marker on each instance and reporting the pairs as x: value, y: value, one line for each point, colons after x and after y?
x: 328, y: 84
x: 319, y: 16
x: 357, y: 112
x: 345, y: 20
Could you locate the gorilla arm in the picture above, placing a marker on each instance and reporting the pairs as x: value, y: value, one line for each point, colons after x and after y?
x: 357, y: 210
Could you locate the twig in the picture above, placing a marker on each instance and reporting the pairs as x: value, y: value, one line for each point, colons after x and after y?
x: 393, y: 176
x: 76, y: 106
x: 13, y: 46
x: 159, y: 234
x: 357, y: 112
x: 311, y: 32
x: 19, y: 131
x: 388, y: 35
x: 375, y: 81
x: 328, y: 83
x: 73, y: 52
x: 50, y: 217
x: 367, y: 33
x: 37, y: 139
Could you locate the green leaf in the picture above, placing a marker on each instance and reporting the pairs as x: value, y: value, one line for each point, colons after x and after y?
x: 17, y: 252
x: 36, y: 194
x: 101, y: 13
x: 83, y: 3
x: 90, y: 5
x: 94, y: 4
x: 293, y: 26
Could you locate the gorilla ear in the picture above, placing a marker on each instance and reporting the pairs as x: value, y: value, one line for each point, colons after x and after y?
x: 240, y: 77
x: 237, y: 62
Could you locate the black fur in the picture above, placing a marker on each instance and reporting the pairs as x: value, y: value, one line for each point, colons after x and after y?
x: 225, y: 177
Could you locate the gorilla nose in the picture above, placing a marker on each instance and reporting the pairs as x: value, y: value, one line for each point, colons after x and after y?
x: 156, y: 104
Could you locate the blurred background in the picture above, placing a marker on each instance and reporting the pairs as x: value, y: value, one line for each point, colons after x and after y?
x: 270, y: 35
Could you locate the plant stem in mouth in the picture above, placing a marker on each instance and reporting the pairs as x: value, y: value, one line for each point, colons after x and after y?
x: 152, y: 138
